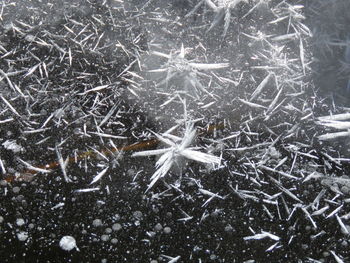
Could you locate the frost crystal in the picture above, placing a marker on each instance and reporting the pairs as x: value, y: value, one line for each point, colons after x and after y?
x: 188, y: 72
x: 222, y: 10
x: 179, y: 147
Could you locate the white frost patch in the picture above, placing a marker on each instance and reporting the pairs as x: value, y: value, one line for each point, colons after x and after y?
x: 22, y: 236
x: 20, y: 222
x: 12, y: 145
x: 68, y: 243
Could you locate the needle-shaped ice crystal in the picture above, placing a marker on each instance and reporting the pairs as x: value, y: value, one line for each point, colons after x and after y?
x: 222, y: 10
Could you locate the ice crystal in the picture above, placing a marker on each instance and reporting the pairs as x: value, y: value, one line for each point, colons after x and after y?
x: 178, y: 148
x: 222, y: 10
x: 188, y: 72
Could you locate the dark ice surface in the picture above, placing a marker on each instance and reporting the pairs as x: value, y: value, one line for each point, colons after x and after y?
x: 79, y: 94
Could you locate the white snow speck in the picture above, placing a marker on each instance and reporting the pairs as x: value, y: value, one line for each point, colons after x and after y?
x: 68, y: 243
x: 12, y: 145
x: 22, y: 236
x: 20, y: 222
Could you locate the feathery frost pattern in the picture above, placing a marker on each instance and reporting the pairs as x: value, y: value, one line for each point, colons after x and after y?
x: 230, y: 117
x: 178, y: 147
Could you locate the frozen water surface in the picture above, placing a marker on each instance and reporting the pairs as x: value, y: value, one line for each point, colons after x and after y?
x: 174, y: 131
